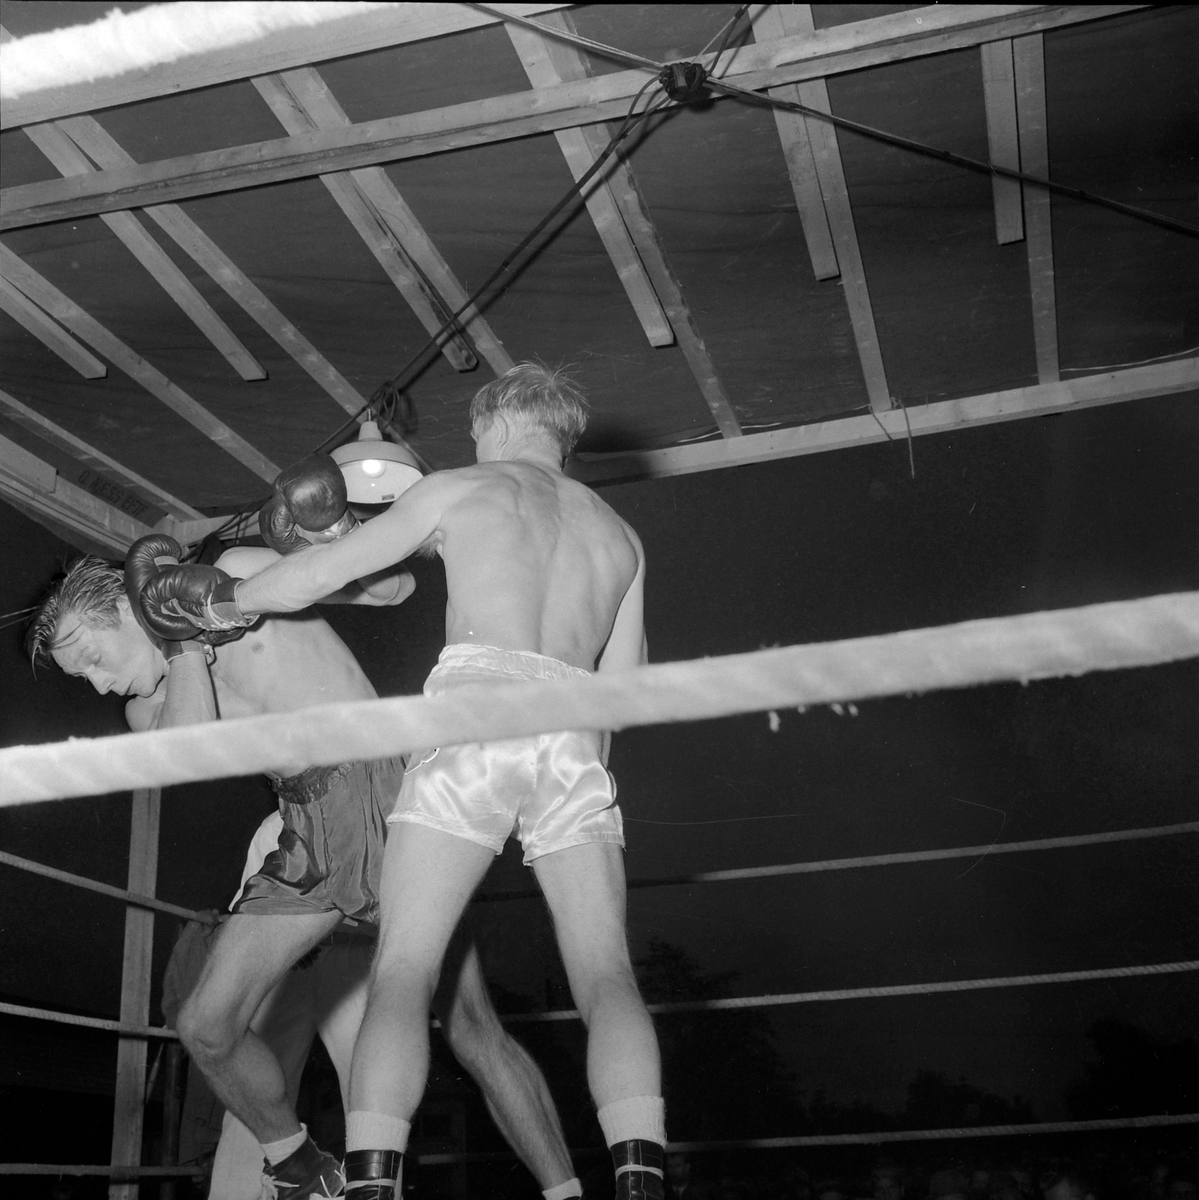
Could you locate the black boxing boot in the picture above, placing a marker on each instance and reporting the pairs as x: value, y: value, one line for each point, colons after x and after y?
x: 307, y: 1172
x: 373, y: 1174
x: 639, y: 1170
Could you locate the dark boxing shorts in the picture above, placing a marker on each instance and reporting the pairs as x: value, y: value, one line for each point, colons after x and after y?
x: 330, y: 854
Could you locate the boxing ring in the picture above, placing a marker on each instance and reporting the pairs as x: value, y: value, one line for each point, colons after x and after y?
x: 1037, y: 646
x: 1073, y: 642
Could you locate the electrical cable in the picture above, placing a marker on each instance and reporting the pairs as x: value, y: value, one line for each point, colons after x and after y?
x: 393, y: 385
x: 959, y: 160
x: 692, y: 69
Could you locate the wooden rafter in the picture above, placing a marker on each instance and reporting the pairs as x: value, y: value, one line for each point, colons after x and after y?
x: 70, y: 160
x: 548, y: 61
x: 801, y: 162
x: 1028, y: 55
x: 387, y: 26
x: 34, y: 485
x: 49, y: 332
x: 1003, y: 139
x: 909, y: 34
x: 95, y: 141
x: 301, y: 100
x: 43, y: 293
x: 779, y: 20
x: 632, y: 238
x: 1112, y: 387
x: 90, y: 458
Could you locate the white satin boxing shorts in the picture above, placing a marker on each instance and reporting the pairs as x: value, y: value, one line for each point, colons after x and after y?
x: 552, y: 789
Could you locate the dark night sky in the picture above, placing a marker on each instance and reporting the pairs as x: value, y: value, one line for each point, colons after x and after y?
x: 1012, y: 518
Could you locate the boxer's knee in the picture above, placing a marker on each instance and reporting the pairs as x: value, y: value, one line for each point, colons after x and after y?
x: 208, y: 1031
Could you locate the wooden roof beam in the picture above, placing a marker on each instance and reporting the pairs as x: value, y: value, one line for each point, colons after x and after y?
x: 91, y: 458
x: 908, y: 34
x: 97, y: 143
x: 49, y: 332
x: 1003, y: 139
x: 801, y: 162
x: 629, y: 209
x: 778, y: 20
x: 548, y: 61
x: 1028, y: 58
x: 944, y: 416
x: 392, y: 25
x: 301, y: 100
x: 70, y: 160
x: 32, y: 484
x: 43, y: 293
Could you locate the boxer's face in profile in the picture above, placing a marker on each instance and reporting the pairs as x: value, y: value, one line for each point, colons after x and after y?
x: 121, y: 660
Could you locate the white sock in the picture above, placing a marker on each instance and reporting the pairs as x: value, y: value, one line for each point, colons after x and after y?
x: 563, y: 1191
x: 376, y: 1131
x: 276, y: 1152
x: 639, y: 1117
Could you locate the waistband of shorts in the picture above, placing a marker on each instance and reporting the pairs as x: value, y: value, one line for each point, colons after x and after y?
x: 308, y: 785
x: 469, y: 658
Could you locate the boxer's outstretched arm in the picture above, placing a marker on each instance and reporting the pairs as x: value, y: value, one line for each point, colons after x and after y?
x: 304, y: 578
x: 390, y: 586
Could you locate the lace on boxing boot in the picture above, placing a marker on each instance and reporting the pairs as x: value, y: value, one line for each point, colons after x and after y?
x: 309, y: 1171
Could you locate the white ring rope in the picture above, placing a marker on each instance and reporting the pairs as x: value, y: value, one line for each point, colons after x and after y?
x: 105, y: 889
x: 863, y: 1139
x: 63, y: 1018
x: 935, y: 1135
x: 1159, y: 629
x: 883, y: 860
x: 161, y: 33
x: 875, y: 993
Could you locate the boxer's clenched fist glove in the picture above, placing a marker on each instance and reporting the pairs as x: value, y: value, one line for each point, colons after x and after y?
x: 148, y: 558
x: 309, y: 506
x: 180, y: 600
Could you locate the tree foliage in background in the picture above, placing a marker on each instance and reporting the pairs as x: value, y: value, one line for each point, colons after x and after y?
x: 1136, y: 1074
x: 722, y: 1073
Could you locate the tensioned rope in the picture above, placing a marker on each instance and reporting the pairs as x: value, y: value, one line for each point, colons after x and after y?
x: 877, y: 993
x: 105, y: 889
x: 917, y: 856
x: 935, y: 1135
x: 65, y: 1018
x: 899, y: 858
x: 737, y: 873
x: 781, y: 1143
x: 1131, y: 633
x: 716, y: 84
x: 864, y: 1139
x: 161, y: 33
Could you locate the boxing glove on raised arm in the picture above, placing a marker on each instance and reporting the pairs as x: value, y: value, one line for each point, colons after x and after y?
x: 309, y: 505
x: 180, y: 600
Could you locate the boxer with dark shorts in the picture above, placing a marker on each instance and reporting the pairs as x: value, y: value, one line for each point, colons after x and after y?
x: 330, y: 852
x: 329, y: 863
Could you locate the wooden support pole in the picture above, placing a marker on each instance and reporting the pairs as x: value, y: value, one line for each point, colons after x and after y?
x: 129, y: 1107
x: 1028, y: 59
x: 801, y: 163
x: 547, y: 62
x: 1003, y: 139
x: 790, y: 19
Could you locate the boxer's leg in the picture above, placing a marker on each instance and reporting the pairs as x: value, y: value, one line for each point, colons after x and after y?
x: 585, y: 889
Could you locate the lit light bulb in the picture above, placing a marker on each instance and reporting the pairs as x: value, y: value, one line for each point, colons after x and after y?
x: 372, y: 467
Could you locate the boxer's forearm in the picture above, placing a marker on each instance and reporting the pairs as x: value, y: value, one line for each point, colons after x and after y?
x: 291, y: 584
x: 190, y: 699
